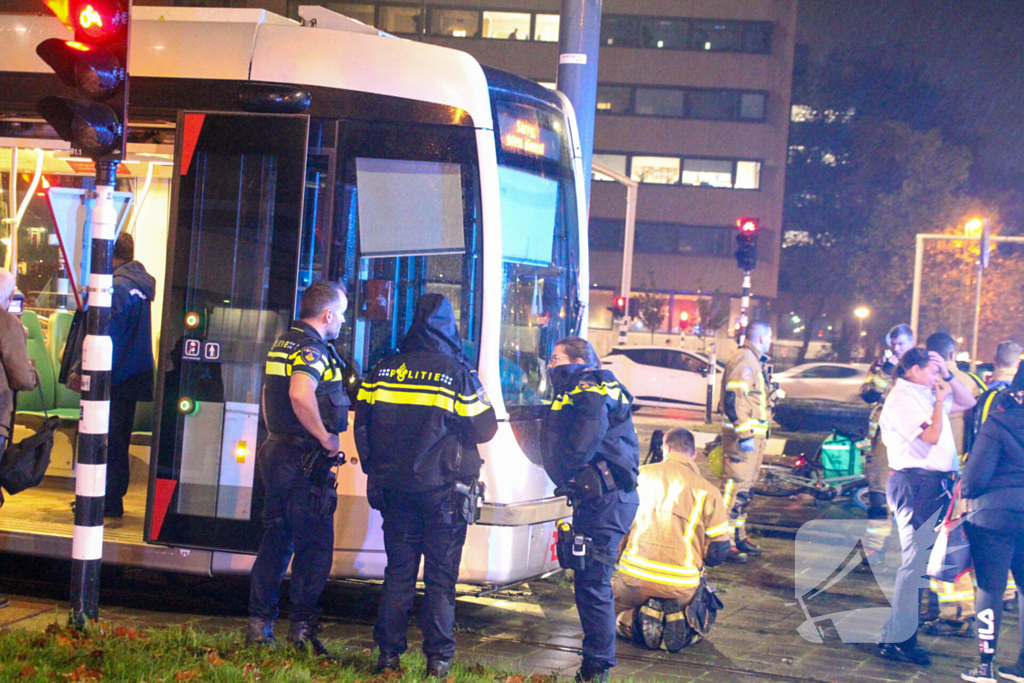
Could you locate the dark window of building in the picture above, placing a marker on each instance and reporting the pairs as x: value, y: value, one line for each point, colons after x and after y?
x: 397, y: 19
x: 752, y: 106
x: 620, y: 31
x: 605, y: 233
x: 363, y: 13
x: 717, y: 36
x: 659, y: 102
x: 613, y: 99
x: 718, y: 105
x: 669, y: 34
x: 657, y: 238
x: 758, y: 38
x: 460, y: 23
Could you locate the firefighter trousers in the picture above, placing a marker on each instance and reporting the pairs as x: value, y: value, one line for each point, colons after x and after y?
x: 740, y: 470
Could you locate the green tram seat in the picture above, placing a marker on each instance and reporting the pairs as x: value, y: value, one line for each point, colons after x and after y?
x: 28, y: 401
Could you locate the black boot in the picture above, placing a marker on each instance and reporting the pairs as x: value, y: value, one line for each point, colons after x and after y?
x: 388, y: 662
x: 260, y: 632
x: 438, y: 668
x: 745, y: 546
x: 592, y: 672
x: 736, y: 557
x: 302, y: 636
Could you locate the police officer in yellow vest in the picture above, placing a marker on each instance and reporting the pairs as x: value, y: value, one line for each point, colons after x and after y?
x: 746, y: 408
x: 661, y: 596
x: 305, y: 407
x: 876, y: 387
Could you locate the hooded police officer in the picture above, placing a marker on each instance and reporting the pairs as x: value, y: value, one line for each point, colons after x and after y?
x: 419, y: 417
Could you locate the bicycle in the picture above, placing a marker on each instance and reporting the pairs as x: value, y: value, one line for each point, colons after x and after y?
x: 807, y: 474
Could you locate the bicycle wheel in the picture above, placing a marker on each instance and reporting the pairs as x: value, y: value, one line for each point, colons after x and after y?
x: 776, y: 481
x: 860, y: 498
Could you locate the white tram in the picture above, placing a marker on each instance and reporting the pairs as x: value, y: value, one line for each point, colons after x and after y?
x: 272, y: 154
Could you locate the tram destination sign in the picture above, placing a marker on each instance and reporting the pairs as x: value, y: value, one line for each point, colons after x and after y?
x: 528, y: 131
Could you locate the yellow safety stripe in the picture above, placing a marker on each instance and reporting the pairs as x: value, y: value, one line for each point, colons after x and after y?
x: 418, y: 387
x: 659, y: 578
x: 988, y: 406
x: 430, y: 399
x: 729, y: 485
x: 717, y: 530
x: 695, y: 515
x: 278, y: 369
x: 737, y: 386
x: 956, y: 597
x: 879, y: 382
x: 980, y: 382
x: 278, y: 354
x: 659, y: 566
x: 880, y: 531
x: 611, y: 389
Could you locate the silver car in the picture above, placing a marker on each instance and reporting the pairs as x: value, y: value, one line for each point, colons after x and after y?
x: 825, y: 381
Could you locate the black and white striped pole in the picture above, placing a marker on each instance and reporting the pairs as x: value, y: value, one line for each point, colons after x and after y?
x: 744, y: 308
x: 97, y: 358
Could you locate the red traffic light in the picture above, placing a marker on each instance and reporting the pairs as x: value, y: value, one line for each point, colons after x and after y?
x: 748, y: 225
x: 620, y: 302
x: 98, y: 20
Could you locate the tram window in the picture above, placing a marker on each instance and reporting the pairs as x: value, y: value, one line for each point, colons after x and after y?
x: 397, y: 19
x: 406, y: 223
x: 409, y: 207
x: 528, y: 202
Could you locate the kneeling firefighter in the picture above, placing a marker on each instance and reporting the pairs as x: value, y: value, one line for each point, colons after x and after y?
x: 419, y: 417
x: 661, y: 593
x: 305, y: 407
x: 593, y: 456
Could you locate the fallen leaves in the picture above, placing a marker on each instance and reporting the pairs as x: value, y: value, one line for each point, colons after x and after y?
x: 186, y: 676
x: 214, y: 659
x: 250, y: 670
x: 84, y: 674
x: 27, y: 671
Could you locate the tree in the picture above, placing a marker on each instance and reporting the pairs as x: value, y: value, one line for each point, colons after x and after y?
x: 713, y: 313
x: 651, y: 307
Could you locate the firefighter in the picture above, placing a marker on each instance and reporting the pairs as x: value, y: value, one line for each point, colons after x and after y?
x: 874, y: 390
x: 593, y: 455
x: 681, y: 527
x: 746, y: 406
x: 419, y: 418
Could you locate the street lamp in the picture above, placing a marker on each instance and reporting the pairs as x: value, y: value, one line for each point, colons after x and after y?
x: 861, y: 313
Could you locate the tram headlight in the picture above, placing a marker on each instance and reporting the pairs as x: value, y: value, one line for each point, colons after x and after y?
x: 193, y: 320
x: 187, y: 405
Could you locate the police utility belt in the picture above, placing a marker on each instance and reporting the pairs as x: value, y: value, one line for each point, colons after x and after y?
x: 318, y: 468
x: 463, y: 504
x: 591, y: 482
x: 576, y: 551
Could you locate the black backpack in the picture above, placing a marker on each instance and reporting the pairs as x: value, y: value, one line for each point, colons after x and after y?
x: 24, y: 463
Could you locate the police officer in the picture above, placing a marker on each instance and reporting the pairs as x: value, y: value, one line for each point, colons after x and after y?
x: 589, y: 436
x: 880, y: 380
x: 305, y: 406
x: 746, y: 398
x: 419, y: 417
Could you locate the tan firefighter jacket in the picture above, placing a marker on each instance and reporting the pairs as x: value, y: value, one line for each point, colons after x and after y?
x: 680, y: 516
x: 745, y: 394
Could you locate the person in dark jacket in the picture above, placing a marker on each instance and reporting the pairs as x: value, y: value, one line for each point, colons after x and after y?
x: 992, y: 483
x: 589, y: 434
x: 131, y: 375
x: 420, y: 415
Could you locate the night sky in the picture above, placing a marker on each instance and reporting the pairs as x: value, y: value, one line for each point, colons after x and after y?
x: 972, y: 48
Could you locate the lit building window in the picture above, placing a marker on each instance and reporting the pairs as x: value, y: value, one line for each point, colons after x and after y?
x: 545, y: 28
x: 658, y: 170
x: 615, y: 162
x: 506, y: 25
x: 454, y: 22
x: 748, y: 175
x: 707, y: 172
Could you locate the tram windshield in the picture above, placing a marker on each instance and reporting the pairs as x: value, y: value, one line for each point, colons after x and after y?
x: 539, y: 245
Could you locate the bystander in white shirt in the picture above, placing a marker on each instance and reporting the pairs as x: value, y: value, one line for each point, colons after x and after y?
x: 907, y: 413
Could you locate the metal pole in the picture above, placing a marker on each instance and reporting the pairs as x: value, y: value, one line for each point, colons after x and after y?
x: 977, y: 316
x: 579, y: 37
x: 97, y: 357
x: 711, y: 386
x: 744, y: 306
x: 915, y: 302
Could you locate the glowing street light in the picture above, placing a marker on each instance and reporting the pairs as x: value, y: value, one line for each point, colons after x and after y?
x: 861, y: 313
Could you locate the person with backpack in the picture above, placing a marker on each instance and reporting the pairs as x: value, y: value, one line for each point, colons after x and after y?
x: 18, y: 373
x: 992, y: 483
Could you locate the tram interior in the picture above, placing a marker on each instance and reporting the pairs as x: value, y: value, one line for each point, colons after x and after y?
x: 31, y: 247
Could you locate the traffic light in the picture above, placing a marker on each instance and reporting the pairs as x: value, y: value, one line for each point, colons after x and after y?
x: 95, y: 64
x: 746, y: 243
x: 619, y: 309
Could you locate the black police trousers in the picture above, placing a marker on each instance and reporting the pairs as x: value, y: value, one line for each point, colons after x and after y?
x: 606, y: 520
x: 289, y: 528
x: 420, y: 524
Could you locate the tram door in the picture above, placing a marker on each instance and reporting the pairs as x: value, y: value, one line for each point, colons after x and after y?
x: 232, y: 265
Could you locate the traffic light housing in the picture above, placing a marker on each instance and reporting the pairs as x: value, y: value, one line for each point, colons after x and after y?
x: 95, y: 64
x: 619, y: 307
x: 746, y: 243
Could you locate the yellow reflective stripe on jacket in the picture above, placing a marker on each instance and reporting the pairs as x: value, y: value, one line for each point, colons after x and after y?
x: 879, y: 382
x: 657, y: 572
x: 604, y: 388
x: 979, y: 381
x: 691, y: 524
x: 717, y: 530
x: 729, y: 486
x: 988, y: 406
x: 737, y: 386
x: 429, y: 397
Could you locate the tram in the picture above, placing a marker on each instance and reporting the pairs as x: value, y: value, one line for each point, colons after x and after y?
x: 265, y: 154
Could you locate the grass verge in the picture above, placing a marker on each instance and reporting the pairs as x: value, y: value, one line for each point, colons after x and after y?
x: 106, y: 653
